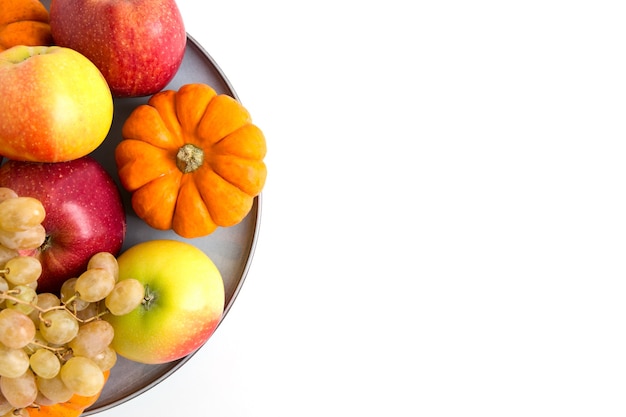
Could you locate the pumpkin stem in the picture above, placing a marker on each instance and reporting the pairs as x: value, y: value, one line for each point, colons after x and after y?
x: 189, y: 158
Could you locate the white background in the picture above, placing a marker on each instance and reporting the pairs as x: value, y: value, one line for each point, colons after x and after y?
x: 444, y: 222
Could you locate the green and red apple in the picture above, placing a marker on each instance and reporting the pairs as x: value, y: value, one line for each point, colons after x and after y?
x: 182, y: 306
x: 55, y: 104
x: 138, y: 45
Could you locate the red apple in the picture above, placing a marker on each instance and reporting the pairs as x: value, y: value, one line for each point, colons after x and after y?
x: 84, y: 213
x: 137, y: 45
x: 183, y: 301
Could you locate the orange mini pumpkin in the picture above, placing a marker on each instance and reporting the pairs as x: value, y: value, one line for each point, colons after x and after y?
x: 72, y: 408
x: 192, y: 159
x: 24, y: 22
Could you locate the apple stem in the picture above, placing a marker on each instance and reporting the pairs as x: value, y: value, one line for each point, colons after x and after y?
x: 46, y: 243
x: 149, y: 298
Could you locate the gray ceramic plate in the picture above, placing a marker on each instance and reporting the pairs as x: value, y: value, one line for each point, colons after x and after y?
x: 230, y: 248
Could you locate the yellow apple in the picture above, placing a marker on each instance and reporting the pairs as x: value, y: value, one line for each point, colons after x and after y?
x: 56, y: 105
x: 183, y: 302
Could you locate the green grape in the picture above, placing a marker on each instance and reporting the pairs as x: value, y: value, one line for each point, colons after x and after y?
x: 44, y: 363
x: 45, y: 301
x: 16, y: 329
x: 42, y: 399
x: 105, y: 359
x: 37, y: 343
x: 54, y: 389
x: 92, y: 338
x: 13, y: 362
x: 70, y: 298
x: 5, y: 406
x: 25, y: 299
x: 22, y: 270
x: 24, y: 239
x: 82, y: 376
x: 125, y: 297
x: 7, y: 254
x: 105, y: 260
x: 94, y: 284
x: 88, y: 313
x: 21, y: 213
x: 58, y: 326
x: 20, y: 392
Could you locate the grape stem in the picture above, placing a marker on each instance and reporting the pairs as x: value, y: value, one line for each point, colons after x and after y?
x: 60, y: 351
x: 52, y: 348
x: 7, y: 295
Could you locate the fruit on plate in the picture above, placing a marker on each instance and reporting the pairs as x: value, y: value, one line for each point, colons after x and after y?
x: 60, y: 356
x: 55, y: 106
x: 55, y: 351
x: 21, y: 226
x: 84, y: 214
x: 138, y: 45
x: 24, y: 22
x: 184, y: 301
x: 192, y: 159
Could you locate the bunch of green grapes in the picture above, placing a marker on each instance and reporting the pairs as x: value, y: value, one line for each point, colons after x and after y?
x: 53, y: 346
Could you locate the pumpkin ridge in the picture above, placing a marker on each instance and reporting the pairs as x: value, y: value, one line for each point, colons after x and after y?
x: 248, y: 177
x: 192, y: 217
x: 246, y: 142
x: 211, y: 162
x: 226, y: 202
x: 192, y: 101
x: 146, y: 124
x: 181, y: 131
x: 158, y: 146
x: 218, y: 162
x: 140, y: 162
x: 223, y: 116
x: 152, y: 201
x: 164, y: 102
